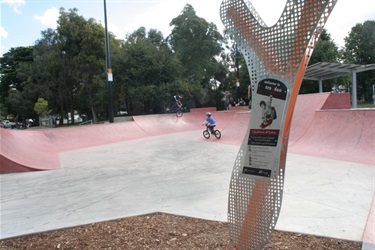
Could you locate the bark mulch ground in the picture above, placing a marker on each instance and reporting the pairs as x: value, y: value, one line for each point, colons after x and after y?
x: 162, y: 231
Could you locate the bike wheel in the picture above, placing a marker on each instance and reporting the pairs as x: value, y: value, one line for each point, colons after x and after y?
x: 179, y: 113
x: 217, y: 134
x: 206, y: 134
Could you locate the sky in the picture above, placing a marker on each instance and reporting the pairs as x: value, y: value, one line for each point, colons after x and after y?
x: 22, y: 21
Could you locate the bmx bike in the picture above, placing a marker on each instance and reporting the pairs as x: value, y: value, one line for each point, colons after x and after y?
x: 207, y: 133
x: 178, y: 110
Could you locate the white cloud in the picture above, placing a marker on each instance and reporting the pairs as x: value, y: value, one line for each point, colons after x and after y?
x: 3, y: 32
x: 346, y: 15
x: 159, y: 14
x: 162, y: 12
x: 49, y: 18
x: 156, y: 17
x: 15, y: 4
x: 269, y: 15
x: 116, y: 30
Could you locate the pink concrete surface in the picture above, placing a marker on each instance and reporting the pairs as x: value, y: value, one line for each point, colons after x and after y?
x: 323, y: 126
x: 304, y: 111
x: 201, y: 110
x: 335, y: 133
x: 346, y: 135
x: 27, y: 150
x: 337, y: 101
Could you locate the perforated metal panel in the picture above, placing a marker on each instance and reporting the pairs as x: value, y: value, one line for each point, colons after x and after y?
x: 276, y: 58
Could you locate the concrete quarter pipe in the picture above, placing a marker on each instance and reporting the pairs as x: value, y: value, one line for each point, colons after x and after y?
x: 323, y: 125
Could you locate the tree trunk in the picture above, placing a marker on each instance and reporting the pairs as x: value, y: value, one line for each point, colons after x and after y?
x: 61, y: 120
x: 72, y: 116
x: 94, y: 118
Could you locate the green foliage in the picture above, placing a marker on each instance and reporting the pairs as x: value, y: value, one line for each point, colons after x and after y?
x: 147, y: 69
x: 3, y: 111
x: 360, y: 44
x: 82, y: 42
x: 41, y: 107
x: 10, y: 62
x: 19, y: 104
x: 359, y: 49
x: 144, y: 61
x: 325, y: 51
x: 73, y: 59
x: 143, y: 64
x: 16, y: 78
x: 196, y: 43
x: 235, y: 61
x: 67, y: 67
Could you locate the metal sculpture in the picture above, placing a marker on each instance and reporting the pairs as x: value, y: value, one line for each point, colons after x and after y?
x: 276, y: 58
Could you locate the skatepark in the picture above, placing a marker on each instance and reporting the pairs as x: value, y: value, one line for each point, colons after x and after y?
x: 64, y: 177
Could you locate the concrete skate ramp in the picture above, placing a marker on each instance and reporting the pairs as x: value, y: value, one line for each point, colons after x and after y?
x: 324, y: 126
x: 22, y: 151
x: 306, y: 107
x: 169, y: 123
x: 232, y: 124
x: 346, y: 135
x: 28, y: 150
x: 321, y: 126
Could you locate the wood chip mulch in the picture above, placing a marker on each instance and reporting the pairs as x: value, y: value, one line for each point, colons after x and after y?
x: 162, y: 231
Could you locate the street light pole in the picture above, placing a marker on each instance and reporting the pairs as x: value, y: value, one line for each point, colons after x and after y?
x: 109, y: 68
x: 63, y: 97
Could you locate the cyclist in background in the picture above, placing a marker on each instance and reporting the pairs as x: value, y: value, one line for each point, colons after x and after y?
x: 177, y: 102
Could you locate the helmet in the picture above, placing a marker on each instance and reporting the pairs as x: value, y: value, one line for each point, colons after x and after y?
x: 208, y: 114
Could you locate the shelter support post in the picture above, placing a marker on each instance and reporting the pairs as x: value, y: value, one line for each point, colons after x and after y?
x: 354, y: 89
x: 320, y: 86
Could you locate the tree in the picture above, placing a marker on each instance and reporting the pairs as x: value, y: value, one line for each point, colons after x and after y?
x: 41, y: 107
x: 238, y: 70
x: 50, y: 80
x: 325, y: 51
x: 359, y: 49
x: 67, y: 67
x: 10, y: 64
x: 18, y: 91
x: 196, y: 43
x: 91, y: 89
x: 82, y: 41
x: 73, y: 61
x: 145, y: 66
x: 234, y: 56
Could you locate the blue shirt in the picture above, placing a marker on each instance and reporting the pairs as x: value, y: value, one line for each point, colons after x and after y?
x: 211, y: 120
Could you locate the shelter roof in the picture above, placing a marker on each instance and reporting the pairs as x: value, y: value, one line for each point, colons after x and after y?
x: 324, y: 70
